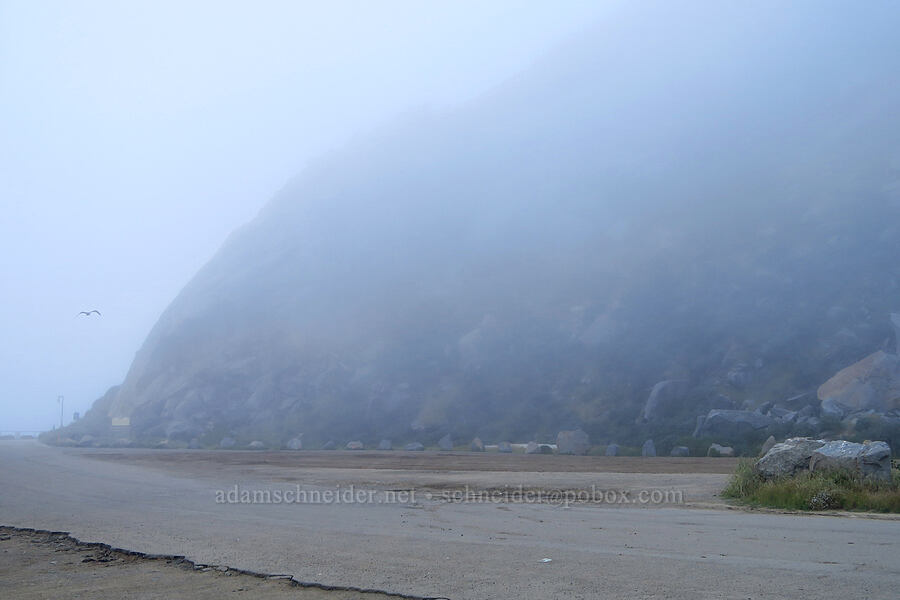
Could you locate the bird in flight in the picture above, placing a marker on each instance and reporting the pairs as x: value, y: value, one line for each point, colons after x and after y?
x: 88, y: 313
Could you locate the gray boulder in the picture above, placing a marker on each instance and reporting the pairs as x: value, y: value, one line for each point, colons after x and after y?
x: 612, y: 450
x: 329, y: 445
x: 256, y: 445
x: 663, y: 398
x: 477, y: 445
x: 719, y: 450
x: 832, y: 408
x: 535, y: 448
x: 787, y: 458
x: 731, y: 424
x: 504, y: 447
x: 864, y: 461
x: 648, y: 449
x: 385, y: 445
x: 680, y: 451
x: 810, y: 424
x: 227, y: 442
x: 767, y: 445
x: 354, y: 445
x: 787, y: 419
x: 414, y: 447
x: 779, y: 412
x: 295, y: 443
x: 446, y: 443
x: 807, y: 411
x: 573, y: 442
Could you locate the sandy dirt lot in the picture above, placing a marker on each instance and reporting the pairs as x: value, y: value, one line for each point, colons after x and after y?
x: 174, y: 502
x: 450, y: 474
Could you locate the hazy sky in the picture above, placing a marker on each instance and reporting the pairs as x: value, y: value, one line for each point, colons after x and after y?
x: 134, y: 136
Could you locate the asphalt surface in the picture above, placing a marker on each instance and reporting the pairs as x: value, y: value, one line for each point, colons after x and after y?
x: 426, y: 546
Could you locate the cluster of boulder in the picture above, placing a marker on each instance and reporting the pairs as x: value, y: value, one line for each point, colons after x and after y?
x: 869, y: 460
x: 869, y: 388
x: 574, y: 442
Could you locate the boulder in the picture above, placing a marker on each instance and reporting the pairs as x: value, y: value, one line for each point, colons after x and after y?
x: 787, y: 458
x: 731, y: 424
x: 414, y: 447
x: 573, y: 442
x: 767, y: 445
x: 648, y: 449
x: 870, y: 384
x: 354, y: 445
x: 807, y: 411
x: 779, y: 412
x: 504, y: 447
x: 810, y: 425
x: 295, y: 443
x: 797, y: 402
x: 227, y: 442
x: 718, y: 450
x: 385, y: 445
x: 535, y: 448
x: 446, y: 442
x: 663, y: 399
x: 787, y: 419
x: 477, y: 445
x: 329, y: 445
x: 833, y: 409
x: 680, y: 451
x: 612, y: 450
x: 864, y: 461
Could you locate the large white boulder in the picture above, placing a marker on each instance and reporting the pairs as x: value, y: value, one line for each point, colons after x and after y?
x: 788, y: 458
x: 865, y: 461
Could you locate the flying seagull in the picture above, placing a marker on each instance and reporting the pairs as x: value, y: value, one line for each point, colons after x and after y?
x: 88, y: 313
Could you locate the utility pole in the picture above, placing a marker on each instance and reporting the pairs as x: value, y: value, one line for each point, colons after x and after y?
x: 62, y: 403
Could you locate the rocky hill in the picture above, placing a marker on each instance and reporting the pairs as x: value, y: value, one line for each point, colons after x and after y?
x: 694, y: 212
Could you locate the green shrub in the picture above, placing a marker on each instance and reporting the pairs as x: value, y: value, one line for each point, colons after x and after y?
x: 829, y: 490
x: 744, y: 482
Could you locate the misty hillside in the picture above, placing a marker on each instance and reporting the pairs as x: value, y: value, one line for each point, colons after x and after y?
x: 708, y: 196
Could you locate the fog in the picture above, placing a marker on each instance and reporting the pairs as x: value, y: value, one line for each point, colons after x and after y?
x: 134, y: 137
